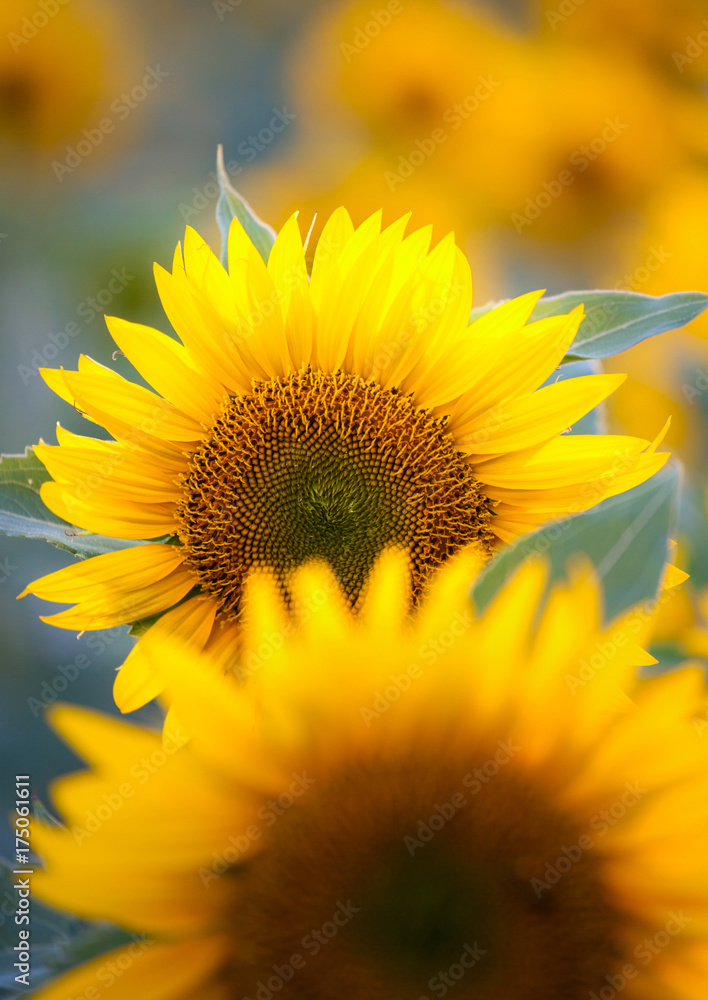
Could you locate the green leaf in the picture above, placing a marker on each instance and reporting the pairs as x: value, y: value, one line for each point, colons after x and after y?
x: 23, y: 470
x: 231, y: 204
x: 615, y: 320
x: 625, y: 537
x: 24, y: 515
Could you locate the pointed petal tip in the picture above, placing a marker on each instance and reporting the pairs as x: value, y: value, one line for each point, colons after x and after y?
x: 63, y: 718
x: 661, y: 435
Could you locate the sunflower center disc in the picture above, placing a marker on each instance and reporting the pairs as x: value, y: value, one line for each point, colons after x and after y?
x: 318, y: 466
x: 397, y: 880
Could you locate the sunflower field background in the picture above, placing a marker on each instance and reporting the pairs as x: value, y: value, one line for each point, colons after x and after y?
x: 564, y: 142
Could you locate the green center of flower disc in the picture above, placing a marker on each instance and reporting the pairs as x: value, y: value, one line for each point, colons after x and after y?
x: 330, y: 467
x: 404, y: 879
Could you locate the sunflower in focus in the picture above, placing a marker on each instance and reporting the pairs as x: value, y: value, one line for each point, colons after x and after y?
x: 326, y: 417
x: 516, y: 822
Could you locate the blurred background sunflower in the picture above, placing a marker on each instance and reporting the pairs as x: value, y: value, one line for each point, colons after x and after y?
x: 562, y: 139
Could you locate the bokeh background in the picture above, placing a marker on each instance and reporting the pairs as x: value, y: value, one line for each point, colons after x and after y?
x: 565, y: 142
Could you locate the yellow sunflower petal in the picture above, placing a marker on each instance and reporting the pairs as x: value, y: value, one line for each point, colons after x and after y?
x: 111, y: 605
x: 135, y: 567
x: 388, y: 275
x: 536, y: 349
x: 165, y: 364
x: 116, y: 469
x: 440, y: 311
x: 337, y: 231
x: 124, y: 519
x: 144, y: 968
x: 136, y: 683
x: 258, y: 301
x: 195, y: 696
x: 339, y: 302
x: 54, y: 377
x: 210, y: 346
x: 560, y: 462
x: 132, y: 404
x: 476, y: 349
x: 530, y: 420
x: 140, y: 435
x: 168, y: 464
x: 286, y: 265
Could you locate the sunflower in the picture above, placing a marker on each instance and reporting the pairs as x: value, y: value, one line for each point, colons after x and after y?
x: 60, y: 67
x: 324, y: 417
x: 668, y: 375
x: 421, y: 107
x: 446, y: 110
x: 494, y: 804
x: 657, y: 260
x: 661, y: 33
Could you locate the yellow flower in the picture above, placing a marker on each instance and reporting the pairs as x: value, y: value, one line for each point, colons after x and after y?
x: 669, y: 251
x: 446, y: 95
x: 668, y: 374
x: 679, y: 625
x: 327, y: 417
x: 669, y: 35
x: 421, y: 111
x: 682, y: 622
x: 445, y: 110
x: 60, y: 67
x: 593, y: 165
x: 491, y: 803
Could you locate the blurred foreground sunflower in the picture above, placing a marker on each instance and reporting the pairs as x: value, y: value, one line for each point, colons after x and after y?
x: 329, y: 417
x: 523, y: 820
